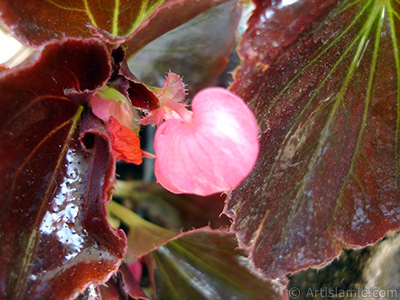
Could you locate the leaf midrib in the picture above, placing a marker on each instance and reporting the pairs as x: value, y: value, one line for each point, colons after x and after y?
x: 365, y: 31
x: 20, y: 286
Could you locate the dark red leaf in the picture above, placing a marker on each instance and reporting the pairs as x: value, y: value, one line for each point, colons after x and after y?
x: 127, y: 83
x: 205, y: 264
x: 57, y: 173
x: 323, y: 79
x: 129, y: 284
x: 199, y: 264
x: 122, y: 285
x: 35, y: 22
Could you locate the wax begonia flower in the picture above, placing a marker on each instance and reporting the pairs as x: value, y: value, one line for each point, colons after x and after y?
x: 209, y: 150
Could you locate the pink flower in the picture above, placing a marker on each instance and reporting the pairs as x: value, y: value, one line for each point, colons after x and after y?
x: 210, y: 150
x: 169, y: 101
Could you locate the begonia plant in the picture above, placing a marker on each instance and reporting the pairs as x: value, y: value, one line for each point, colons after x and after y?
x: 274, y: 141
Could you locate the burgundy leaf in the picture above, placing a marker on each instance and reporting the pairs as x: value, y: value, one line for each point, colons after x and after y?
x: 199, y: 264
x: 35, y: 22
x: 129, y: 284
x: 323, y: 80
x: 57, y: 173
x: 127, y: 83
x: 205, y: 264
x: 122, y: 285
x: 141, y: 96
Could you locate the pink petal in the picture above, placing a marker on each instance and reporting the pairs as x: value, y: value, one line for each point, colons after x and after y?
x: 170, y: 97
x: 105, y: 108
x: 174, y: 88
x: 213, y: 151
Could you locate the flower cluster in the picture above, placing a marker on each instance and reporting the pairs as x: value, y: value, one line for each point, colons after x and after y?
x: 207, y: 150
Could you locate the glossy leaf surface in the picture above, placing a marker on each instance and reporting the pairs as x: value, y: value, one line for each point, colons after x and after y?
x: 203, y: 45
x: 323, y: 78
x: 35, y: 22
x: 205, y: 264
x: 56, y: 171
